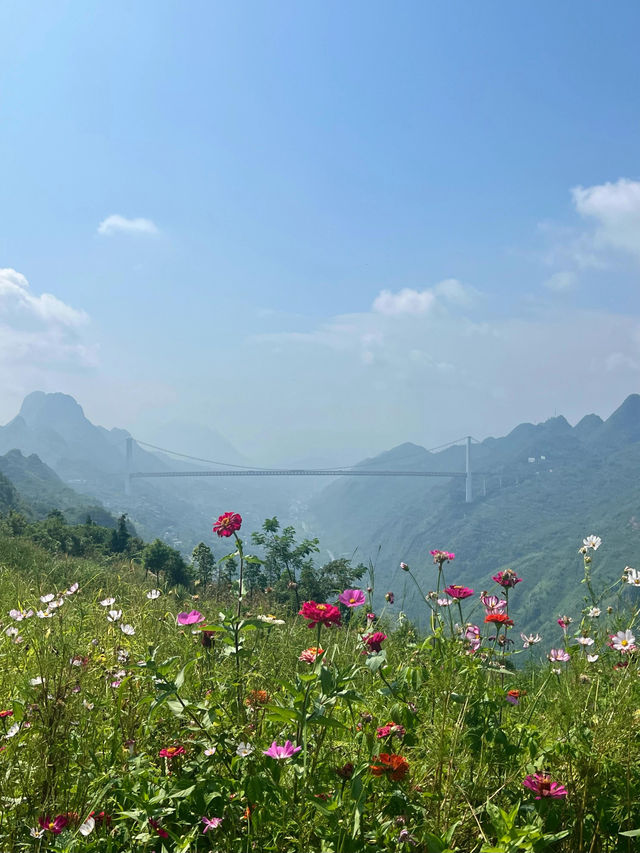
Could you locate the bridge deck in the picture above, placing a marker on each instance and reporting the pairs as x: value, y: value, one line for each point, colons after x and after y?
x: 297, y: 472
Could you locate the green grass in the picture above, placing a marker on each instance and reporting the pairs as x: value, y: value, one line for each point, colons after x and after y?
x: 87, y: 739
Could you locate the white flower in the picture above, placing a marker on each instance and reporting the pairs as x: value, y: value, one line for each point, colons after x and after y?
x: 107, y: 602
x: 53, y: 605
x: 153, y: 594
x: 87, y: 827
x: 623, y: 641
x: 44, y: 614
x: 34, y: 682
x: 114, y: 615
x: 244, y: 749
x: 45, y: 599
x: 129, y: 630
x: 556, y: 671
x: 594, y: 612
x: 15, y: 728
x: 271, y: 620
x: 123, y: 656
x: 73, y: 588
x: 592, y: 542
x: 584, y: 641
x: 88, y: 705
x: 632, y: 576
x: 11, y: 631
x: 19, y: 615
x: 36, y: 832
x: 445, y: 602
x: 210, y: 751
x: 592, y: 658
x: 530, y: 640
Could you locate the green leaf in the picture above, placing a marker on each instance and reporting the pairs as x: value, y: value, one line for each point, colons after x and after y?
x: 630, y: 833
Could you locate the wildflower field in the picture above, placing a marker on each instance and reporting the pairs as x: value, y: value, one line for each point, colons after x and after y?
x: 139, y: 717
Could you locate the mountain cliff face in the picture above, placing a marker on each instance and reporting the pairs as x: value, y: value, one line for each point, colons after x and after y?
x: 542, y: 489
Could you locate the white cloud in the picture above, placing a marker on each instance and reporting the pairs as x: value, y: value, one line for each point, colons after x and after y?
x: 116, y: 224
x: 19, y: 304
x: 410, y: 301
x: 561, y: 282
x: 615, y: 208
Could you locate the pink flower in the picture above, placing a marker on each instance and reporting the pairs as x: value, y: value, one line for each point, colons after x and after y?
x: 374, y: 641
x: 211, y: 823
x: 507, y: 579
x: 170, y: 752
x: 458, y: 592
x: 389, y: 597
x: 320, y: 614
x: 190, y: 618
x: 558, y: 655
x: 352, y: 598
x: 227, y: 524
x: 309, y: 655
x: 492, y: 603
x: 390, y: 729
x: 440, y: 557
x: 542, y: 785
x: 281, y: 752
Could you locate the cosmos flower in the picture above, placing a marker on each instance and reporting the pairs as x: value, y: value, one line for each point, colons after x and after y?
x: 191, y: 618
x: 155, y: 825
x: 281, y: 752
x: 19, y: 615
x: 129, y: 630
x: 352, y: 598
x: 320, y: 614
x: 542, y: 785
x: 558, y: 655
x: 54, y: 825
x: 107, y: 602
x: 114, y: 615
x: 244, y: 749
x: 445, y: 602
x: 227, y: 524
x: 268, y: 619
x: 153, y: 594
x: 530, y: 640
x: 564, y: 622
x: 592, y: 542
x: 592, y: 658
x: 72, y: 589
x: 585, y: 641
x: 594, y: 612
x: 211, y: 823
x: 45, y: 599
x: 623, y: 641
x: 632, y: 576
x: 88, y: 826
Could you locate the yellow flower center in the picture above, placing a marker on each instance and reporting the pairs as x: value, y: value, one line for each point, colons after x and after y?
x: 322, y: 607
x: 624, y: 642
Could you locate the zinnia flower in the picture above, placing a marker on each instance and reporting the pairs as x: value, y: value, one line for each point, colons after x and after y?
x: 281, y: 752
x: 309, y: 655
x: 514, y: 696
x: 191, y: 618
x: 499, y: 619
x: 395, y: 767
x: 458, y: 592
x: 390, y: 729
x: 352, y: 598
x: 374, y: 641
x: 320, y: 614
x: 55, y: 825
x: 4, y: 714
x: 507, y: 579
x: 542, y: 785
x: 170, y: 752
x: 257, y: 698
x: 227, y: 524
x: 211, y: 823
x: 440, y: 557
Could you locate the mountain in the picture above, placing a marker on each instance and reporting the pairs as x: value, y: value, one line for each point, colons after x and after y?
x: 538, y: 491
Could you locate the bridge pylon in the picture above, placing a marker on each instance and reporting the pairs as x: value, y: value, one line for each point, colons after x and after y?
x: 468, y: 479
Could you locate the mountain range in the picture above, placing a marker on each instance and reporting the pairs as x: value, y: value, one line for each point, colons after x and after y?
x: 538, y: 491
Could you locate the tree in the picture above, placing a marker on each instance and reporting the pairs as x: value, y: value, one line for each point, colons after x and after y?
x: 286, y: 562
x: 120, y: 536
x: 159, y: 558
x: 204, y: 562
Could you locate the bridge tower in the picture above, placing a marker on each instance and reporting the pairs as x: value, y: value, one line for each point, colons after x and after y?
x: 469, y: 488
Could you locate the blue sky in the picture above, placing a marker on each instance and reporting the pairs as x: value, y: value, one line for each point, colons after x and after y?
x: 315, y: 227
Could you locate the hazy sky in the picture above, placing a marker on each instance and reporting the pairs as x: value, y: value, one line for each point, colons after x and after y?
x: 320, y: 228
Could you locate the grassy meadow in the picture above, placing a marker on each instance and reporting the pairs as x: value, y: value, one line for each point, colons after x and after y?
x: 136, y: 716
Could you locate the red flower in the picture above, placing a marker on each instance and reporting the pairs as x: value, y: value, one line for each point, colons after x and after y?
x: 55, y: 825
x: 227, y: 524
x: 4, y: 714
x: 320, y: 614
x: 346, y: 771
x: 170, y: 752
x: 374, y: 641
x: 500, y: 619
x: 395, y: 767
x: 155, y: 825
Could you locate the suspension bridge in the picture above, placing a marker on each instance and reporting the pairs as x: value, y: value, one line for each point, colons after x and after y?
x: 243, y: 471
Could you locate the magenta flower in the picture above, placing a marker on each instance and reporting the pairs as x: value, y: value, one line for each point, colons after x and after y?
x: 374, y: 641
x: 281, y: 752
x: 211, y: 823
x: 440, y: 557
x: 352, y: 598
x: 458, y: 592
x: 507, y: 579
x: 542, y: 785
x: 55, y: 825
x: 190, y: 618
